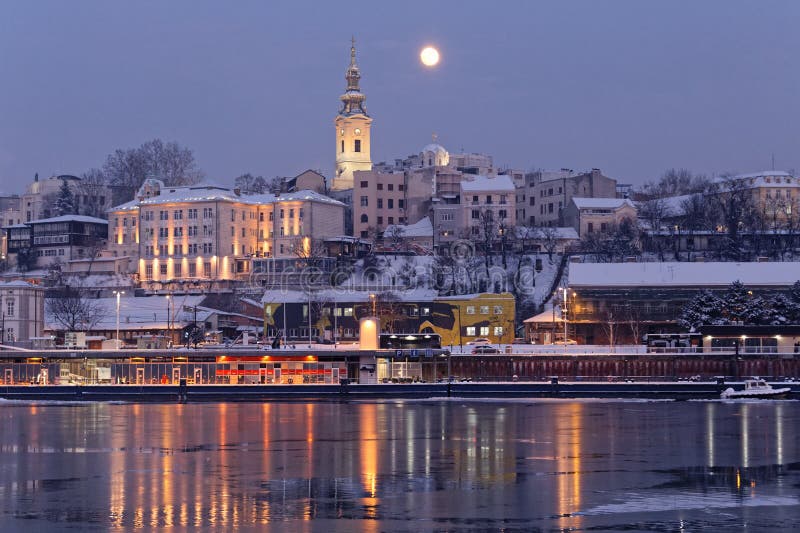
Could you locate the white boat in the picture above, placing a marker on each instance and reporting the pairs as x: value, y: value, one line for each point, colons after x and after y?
x: 755, y: 388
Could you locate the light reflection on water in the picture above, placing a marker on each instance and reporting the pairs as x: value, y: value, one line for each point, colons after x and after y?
x: 400, y: 465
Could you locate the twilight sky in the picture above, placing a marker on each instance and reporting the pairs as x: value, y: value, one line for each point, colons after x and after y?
x: 631, y: 87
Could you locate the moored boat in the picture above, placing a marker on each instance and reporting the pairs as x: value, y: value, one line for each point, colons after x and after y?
x: 755, y: 388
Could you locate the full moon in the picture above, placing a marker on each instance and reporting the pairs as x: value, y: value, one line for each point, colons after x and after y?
x: 429, y: 56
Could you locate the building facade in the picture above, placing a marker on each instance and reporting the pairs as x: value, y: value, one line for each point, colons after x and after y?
x: 598, y: 215
x: 22, y: 312
x: 204, y: 232
x: 41, y: 243
x: 543, y: 195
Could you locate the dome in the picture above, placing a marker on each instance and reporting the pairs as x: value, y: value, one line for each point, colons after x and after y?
x: 434, y: 155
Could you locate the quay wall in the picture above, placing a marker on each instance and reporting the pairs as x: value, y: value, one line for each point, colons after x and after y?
x: 636, y: 366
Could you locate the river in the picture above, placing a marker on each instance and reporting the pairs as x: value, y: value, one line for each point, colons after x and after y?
x: 432, y: 465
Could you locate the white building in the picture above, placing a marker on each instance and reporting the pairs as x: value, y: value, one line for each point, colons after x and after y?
x: 22, y: 306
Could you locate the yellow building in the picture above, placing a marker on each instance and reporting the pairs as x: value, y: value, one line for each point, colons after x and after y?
x: 464, y: 318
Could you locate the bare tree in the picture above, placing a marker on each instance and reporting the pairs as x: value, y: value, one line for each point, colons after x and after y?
x: 487, y: 235
x: 128, y: 168
x: 548, y: 236
x: 74, y: 309
x: 395, y: 236
x: 734, y: 202
x: 250, y: 184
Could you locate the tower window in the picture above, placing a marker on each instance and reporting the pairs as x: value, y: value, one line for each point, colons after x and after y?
x: 342, y: 146
x: 358, y: 145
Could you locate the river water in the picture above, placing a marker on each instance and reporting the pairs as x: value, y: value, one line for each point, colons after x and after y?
x: 449, y: 465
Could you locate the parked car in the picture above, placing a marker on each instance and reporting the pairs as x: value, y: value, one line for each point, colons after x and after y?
x: 478, y: 341
x: 484, y: 349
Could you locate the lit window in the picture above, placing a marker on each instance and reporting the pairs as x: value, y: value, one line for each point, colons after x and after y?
x: 484, y: 309
x: 498, y: 309
x: 470, y: 309
x: 484, y: 331
x: 470, y: 331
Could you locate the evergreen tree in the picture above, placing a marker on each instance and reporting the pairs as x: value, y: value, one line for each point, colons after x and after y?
x: 736, y: 302
x: 781, y: 310
x: 65, y: 202
x: 705, y: 308
x: 794, y: 293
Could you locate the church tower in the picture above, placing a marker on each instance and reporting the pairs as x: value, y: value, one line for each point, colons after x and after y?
x: 352, y: 130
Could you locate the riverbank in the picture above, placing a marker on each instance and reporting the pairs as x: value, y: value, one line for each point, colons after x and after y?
x: 679, y: 390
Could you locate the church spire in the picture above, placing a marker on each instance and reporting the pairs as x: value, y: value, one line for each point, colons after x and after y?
x: 353, y: 99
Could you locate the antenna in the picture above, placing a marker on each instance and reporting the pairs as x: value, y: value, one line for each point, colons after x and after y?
x: 773, y: 161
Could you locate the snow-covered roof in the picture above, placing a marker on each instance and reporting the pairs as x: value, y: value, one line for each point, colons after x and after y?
x: 679, y: 274
x: 560, y: 233
x: 148, y: 312
x: 15, y: 284
x: 421, y: 228
x: 485, y: 183
x: 209, y: 193
x: 777, y: 178
x: 16, y: 226
x: 548, y: 315
x: 601, y: 203
x: 280, y: 296
x: 70, y: 218
x: 433, y: 147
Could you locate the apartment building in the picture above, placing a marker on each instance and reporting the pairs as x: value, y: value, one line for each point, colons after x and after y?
x: 484, y: 197
x: 22, y: 306
x: 176, y: 234
x: 598, y: 215
x: 56, y: 240
x: 543, y: 195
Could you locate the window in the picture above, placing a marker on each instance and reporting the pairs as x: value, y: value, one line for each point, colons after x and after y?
x: 162, y: 269
x: 498, y: 331
x: 364, y: 218
x: 426, y: 311
x: 364, y: 201
x: 148, y: 272
x: 390, y: 186
x: 470, y: 309
x: 401, y: 203
x: 243, y: 232
x: 348, y: 311
x: 271, y: 216
x: 503, y: 199
x: 206, y: 270
x: 261, y: 217
x: 342, y: 146
x: 476, y: 214
x: 399, y: 187
x: 177, y: 215
x: 10, y: 307
x: 163, y: 215
x: 470, y: 331
x: 176, y: 270
x: 281, y: 213
x: 192, y: 214
x: 484, y: 309
x: 380, y: 221
x: 192, y: 270
x: 380, y: 186
x: 603, y: 226
x: 502, y: 213
x: 589, y: 227
x: 364, y: 184
x: 300, y: 213
x: 484, y: 331
x: 357, y: 145
x: 498, y: 309
x: 380, y: 203
x: 391, y: 220
x: 391, y: 203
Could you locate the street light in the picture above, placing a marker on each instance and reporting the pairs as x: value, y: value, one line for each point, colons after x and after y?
x: 169, y: 315
x: 119, y: 294
x: 564, y: 315
x: 374, y: 303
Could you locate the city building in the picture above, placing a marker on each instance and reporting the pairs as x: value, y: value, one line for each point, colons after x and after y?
x: 21, y: 312
x: 487, y: 202
x: 592, y: 215
x: 544, y: 195
x: 417, y: 237
x: 41, y: 243
x: 90, y: 199
x: 457, y: 319
x: 352, y: 130
x: 619, y: 303
x: 187, y: 234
